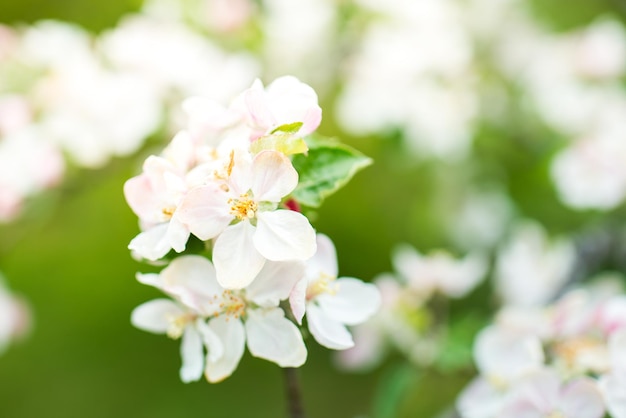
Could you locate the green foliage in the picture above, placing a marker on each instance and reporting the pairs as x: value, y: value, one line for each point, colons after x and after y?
x: 392, y: 389
x: 281, y: 139
x: 327, y: 167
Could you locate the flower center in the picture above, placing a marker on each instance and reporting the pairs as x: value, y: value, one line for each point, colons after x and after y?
x: 243, y: 207
x: 555, y: 414
x: 324, y: 284
x: 177, y: 324
x: 232, y: 305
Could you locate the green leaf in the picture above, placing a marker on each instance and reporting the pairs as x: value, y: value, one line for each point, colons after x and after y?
x: 288, y: 128
x: 328, y: 166
x: 285, y: 143
x: 392, y: 389
x: 457, y: 350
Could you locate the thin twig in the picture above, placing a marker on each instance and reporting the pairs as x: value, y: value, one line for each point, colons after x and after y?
x: 294, y: 394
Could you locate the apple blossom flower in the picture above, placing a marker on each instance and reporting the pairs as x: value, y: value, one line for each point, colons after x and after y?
x: 224, y: 320
x: 286, y: 100
x: 543, y: 394
x: 530, y: 270
x: 331, y: 303
x: 612, y: 384
x: 241, y: 214
x: 439, y: 271
x: 155, y: 196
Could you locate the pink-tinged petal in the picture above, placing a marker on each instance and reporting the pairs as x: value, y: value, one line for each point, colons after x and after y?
x: 284, y: 235
x: 274, y: 282
x: 311, y: 120
x: 177, y: 234
x: 581, y: 398
x: 142, y: 200
x: 192, y: 355
x: 237, y: 262
x: 151, y: 244
x: 205, y: 211
x: 324, y: 261
x: 273, y: 176
x: 353, y: 303
x: 297, y: 300
x: 257, y: 110
x: 273, y: 337
x: 241, y: 178
x: 233, y: 337
x: 480, y: 399
x: 192, y: 279
x: 154, y: 316
x: 612, y: 389
x: 207, y: 117
x: 212, y: 342
x: 327, y: 332
x: 294, y: 101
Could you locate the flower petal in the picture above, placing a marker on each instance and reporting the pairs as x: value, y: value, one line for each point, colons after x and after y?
x: 582, y: 399
x: 274, y: 282
x: 177, y: 234
x: 297, y: 300
x: 327, y: 332
x: 233, y: 338
x: 284, y: 235
x: 191, y: 278
x: 192, y: 354
x: 273, y: 176
x: 212, y: 342
x: 324, y: 262
x: 353, y: 303
x: 153, y: 316
x: 237, y: 262
x: 151, y: 244
x: 273, y: 337
x: 205, y: 211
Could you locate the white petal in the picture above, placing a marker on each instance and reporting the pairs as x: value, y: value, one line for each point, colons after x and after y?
x: 233, y: 337
x: 274, y: 282
x: 284, y: 235
x: 237, y: 262
x: 151, y: 244
x: 297, y: 300
x: 192, y: 354
x: 153, y: 316
x: 325, y: 259
x: 480, y: 400
x: 211, y: 341
x: 177, y: 234
x: 150, y: 279
x: 205, y: 211
x: 612, y: 388
x: 273, y: 176
x: 327, y: 332
x: 191, y: 278
x: 273, y: 337
x: 353, y: 303
x: 582, y: 399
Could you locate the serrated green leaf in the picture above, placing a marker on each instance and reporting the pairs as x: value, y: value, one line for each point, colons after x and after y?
x: 328, y: 166
x: 288, y: 128
x: 285, y: 143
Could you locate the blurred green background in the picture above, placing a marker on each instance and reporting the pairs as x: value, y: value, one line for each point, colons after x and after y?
x: 68, y: 257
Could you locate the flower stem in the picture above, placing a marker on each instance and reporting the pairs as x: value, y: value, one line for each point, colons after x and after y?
x: 294, y: 394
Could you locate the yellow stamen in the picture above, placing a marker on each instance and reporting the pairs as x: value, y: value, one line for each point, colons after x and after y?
x: 243, y: 208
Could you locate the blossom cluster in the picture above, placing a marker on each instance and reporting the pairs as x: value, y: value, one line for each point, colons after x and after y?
x: 412, y: 315
x: 227, y: 180
x: 563, y: 358
x: 68, y: 97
